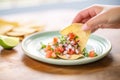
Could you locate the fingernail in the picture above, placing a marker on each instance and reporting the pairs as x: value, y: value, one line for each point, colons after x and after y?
x: 85, y: 27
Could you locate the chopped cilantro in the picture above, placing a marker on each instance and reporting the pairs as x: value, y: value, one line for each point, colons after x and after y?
x: 85, y: 53
x: 76, y: 37
x: 42, y: 45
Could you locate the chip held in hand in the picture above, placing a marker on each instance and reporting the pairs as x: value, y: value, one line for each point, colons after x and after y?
x: 70, y: 45
x: 76, y: 28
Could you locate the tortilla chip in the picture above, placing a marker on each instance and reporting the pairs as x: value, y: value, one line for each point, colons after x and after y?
x: 4, y: 22
x: 72, y: 57
x: 15, y: 34
x: 5, y: 28
x: 24, y: 30
x: 15, y: 29
x: 37, y: 28
x: 76, y: 28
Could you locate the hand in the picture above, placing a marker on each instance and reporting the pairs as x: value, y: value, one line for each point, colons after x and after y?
x: 99, y: 16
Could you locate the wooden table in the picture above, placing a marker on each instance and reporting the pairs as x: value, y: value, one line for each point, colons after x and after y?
x: 15, y: 65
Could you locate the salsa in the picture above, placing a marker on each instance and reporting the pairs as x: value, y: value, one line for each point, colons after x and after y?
x: 67, y: 45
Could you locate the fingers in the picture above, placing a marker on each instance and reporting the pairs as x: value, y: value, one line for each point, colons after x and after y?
x: 95, y: 22
x: 85, y: 20
x: 84, y: 14
x: 98, y: 17
x: 87, y: 14
x: 115, y: 26
x: 102, y: 26
x: 81, y: 16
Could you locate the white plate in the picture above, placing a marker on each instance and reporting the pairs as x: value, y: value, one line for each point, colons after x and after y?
x: 31, y: 47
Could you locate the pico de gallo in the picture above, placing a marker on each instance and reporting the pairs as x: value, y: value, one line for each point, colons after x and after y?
x: 65, y: 45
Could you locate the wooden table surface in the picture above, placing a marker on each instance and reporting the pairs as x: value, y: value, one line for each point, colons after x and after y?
x: 15, y: 65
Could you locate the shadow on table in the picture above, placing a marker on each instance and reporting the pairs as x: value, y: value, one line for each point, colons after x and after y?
x: 6, y: 53
x: 76, y: 69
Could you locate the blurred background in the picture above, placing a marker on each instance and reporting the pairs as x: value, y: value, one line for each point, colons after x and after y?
x: 50, y: 14
x: 36, y: 14
x: 7, y: 4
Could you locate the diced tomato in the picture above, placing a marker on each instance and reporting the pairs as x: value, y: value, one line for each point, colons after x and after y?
x: 48, y: 47
x: 56, y: 50
x: 59, y: 49
x: 54, y: 55
x: 71, y: 36
x: 92, y: 53
x: 49, y: 54
x: 55, y: 40
x: 70, y: 51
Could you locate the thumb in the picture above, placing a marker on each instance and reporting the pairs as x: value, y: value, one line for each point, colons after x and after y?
x: 95, y: 22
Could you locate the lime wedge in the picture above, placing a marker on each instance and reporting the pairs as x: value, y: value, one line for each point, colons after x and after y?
x: 8, y: 42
